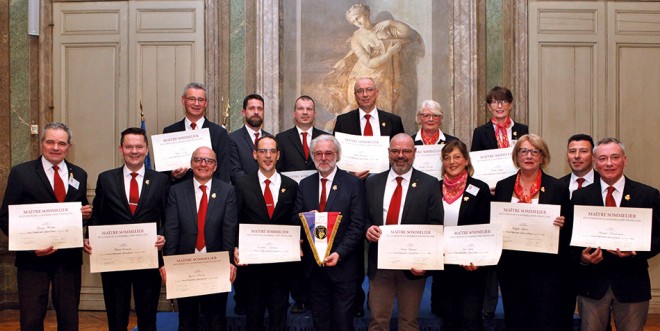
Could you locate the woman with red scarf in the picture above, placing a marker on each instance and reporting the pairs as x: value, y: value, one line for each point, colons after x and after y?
x: 501, y: 131
x: 429, y: 118
x: 534, y: 285
x: 459, y: 290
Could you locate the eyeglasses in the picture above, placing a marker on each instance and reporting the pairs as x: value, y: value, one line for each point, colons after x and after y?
x: 369, y: 90
x: 500, y: 102
x: 406, y: 152
x: 263, y: 151
x: 525, y: 151
x: 327, y: 154
x: 193, y: 99
x: 429, y: 116
x: 208, y: 160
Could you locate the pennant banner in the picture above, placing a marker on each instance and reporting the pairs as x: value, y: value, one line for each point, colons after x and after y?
x: 320, y: 229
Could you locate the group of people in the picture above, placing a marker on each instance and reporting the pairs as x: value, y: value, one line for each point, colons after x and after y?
x: 239, y: 180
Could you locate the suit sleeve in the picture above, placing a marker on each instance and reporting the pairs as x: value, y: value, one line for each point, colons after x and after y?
x: 435, y: 211
x: 476, y: 141
x: 235, y: 160
x: 98, y: 209
x: 398, y: 126
x: 230, y: 224
x: 354, y: 235
x: 171, y: 226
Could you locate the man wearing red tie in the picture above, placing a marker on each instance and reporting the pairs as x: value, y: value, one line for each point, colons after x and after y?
x: 266, y: 197
x: 48, y: 179
x: 615, y: 280
x: 127, y: 195
x: 213, y: 230
x: 579, y: 156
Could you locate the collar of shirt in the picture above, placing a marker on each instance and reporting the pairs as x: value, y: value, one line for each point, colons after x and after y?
x: 140, y: 172
x: 198, y: 191
x: 309, y: 134
x: 199, y: 123
x: 127, y: 180
x: 418, y: 136
x: 588, y: 178
x: 330, y: 178
x: 275, y: 183
x: 390, y: 187
x: 252, y: 132
x: 618, y: 189
x: 50, y: 172
x: 375, y: 121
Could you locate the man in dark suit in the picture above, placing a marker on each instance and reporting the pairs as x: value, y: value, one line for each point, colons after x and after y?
x: 242, y: 140
x: 333, y: 286
x: 367, y: 120
x: 43, y: 181
x: 294, y: 154
x: 188, y: 231
x: 194, y: 102
x: 501, y: 131
x: 580, y: 158
x: 127, y: 195
x: 401, y: 195
x: 266, y: 197
x: 614, y: 279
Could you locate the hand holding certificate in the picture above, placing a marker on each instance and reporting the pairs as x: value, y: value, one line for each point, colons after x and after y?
x: 480, y: 245
x: 626, y: 229
x: 173, y: 150
x: 527, y: 227
x: 361, y: 153
x: 266, y: 243
x: 39, y: 226
x: 403, y: 247
x: 191, y: 275
x: 123, y: 247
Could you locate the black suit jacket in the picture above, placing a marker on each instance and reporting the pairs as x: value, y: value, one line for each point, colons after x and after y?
x: 347, y: 196
x: 483, y: 137
x: 27, y: 184
x: 422, y: 206
x: 219, y: 144
x: 390, y: 124
x: 111, y: 204
x: 553, y: 192
x: 628, y: 277
x: 180, y: 228
x: 448, y: 138
x: 241, y: 146
x: 292, y: 157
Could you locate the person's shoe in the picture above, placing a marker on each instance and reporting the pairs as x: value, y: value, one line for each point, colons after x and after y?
x: 239, y: 310
x: 359, y: 311
x: 298, y: 308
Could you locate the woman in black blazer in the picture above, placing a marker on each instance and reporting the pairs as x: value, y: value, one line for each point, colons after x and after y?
x: 501, y: 131
x: 535, y: 286
x: 458, y: 291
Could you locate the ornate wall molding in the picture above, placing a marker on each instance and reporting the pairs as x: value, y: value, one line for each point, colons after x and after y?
x: 268, y: 60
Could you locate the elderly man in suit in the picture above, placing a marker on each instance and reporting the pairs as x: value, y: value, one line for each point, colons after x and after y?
x: 58, y: 270
x: 614, y: 279
x: 127, y: 195
x: 295, y: 153
x: 579, y: 156
x: 190, y: 230
x: 333, y: 286
x: 401, y: 195
x: 194, y: 102
x: 266, y: 197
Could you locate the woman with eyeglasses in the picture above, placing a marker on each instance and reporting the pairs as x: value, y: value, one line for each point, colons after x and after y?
x: 501, y: 131
x: 535, y: 286
x: 458, y: 291
x: 429, y: 118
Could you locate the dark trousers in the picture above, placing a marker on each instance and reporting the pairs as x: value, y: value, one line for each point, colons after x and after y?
x: 332, y: 302
x: 117, y: 295
x: 459, y: 295
x: 266, y: 288
x: 213, y: 307
x: 300, y: 284
x: 33, y: 287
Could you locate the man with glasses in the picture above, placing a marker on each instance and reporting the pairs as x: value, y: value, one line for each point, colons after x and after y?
x: 48, y: 179
x: 400, y: 195
x: 501, y: 131
x: 214, y: 229
x: 333, y: 286
x: 194, y: 103
x: 266, y: 197
x: 615, y: 280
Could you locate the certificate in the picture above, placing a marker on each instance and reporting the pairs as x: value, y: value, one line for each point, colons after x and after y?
x: 479, y: 244
x: 39, y: 226
x: 402, y: 247
x: 359, y: 153
x: 527, y: 227
x: 628, y: 229
x: 298, y: 175
x: 191, y: 275
x: 267, y: 243
x: 493, y: 165
x: 173, y: 150
x: 123, y: 247
x: 429, y: 160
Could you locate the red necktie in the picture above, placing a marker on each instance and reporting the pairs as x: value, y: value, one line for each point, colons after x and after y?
x: 134, y: 193
x: 322, y: 202
x: 58, y: 185
x: 609, y: 198
x: 395, y: 204
x: 193, y: 125
x: 305, y: 147
x: 201, y: 219
x: 256, y: 137
x: 580, y: 181
x: 268, y: 197
x: 367, y: 127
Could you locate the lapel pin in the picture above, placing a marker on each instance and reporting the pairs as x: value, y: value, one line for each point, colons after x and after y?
x: 627, y: 197
x: 543, y: 189
x: 334, y: 187
x: 466, y: 199
x: 383, y: 124
x: 213, y: 195
x: 146, y: 182
x: 283, y: 190
x: 71, y: 175
x: 515, y: 133
x: 414, y: 185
